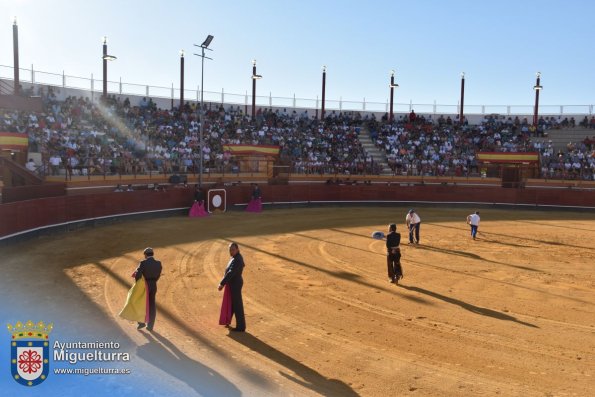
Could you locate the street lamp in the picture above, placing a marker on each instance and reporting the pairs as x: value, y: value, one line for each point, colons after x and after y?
x: 181, y: 80
x: 105, y: 58
x: 461, y: 115
x: 392, y: 86
x: 15, y: 49
x: 254, y: 78
x: 537, y: 87
x: 204, y: 46
x: 323, y: 91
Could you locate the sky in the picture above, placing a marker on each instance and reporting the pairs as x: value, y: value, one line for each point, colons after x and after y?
x: 500, y: 45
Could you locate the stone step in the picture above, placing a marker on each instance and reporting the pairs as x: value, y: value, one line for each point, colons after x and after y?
x: 560, y: 138
x: 378, y: 155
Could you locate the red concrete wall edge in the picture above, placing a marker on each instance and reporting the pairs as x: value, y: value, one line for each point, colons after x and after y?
x: 26, y: 215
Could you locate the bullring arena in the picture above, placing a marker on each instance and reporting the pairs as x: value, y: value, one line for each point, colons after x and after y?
x: 511, y: 313
x: 300, y: 133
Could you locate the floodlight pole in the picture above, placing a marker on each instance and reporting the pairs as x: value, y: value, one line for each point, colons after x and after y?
x: 15, y: 49
x: 537, y: 88
x: 323, y: 92
x: 204, y: 46
x: 104, y: 57
x: 181, y: 80
x: 254, y: 78
x: 392, y: 94
x: 253, y: 89
x: 461, y: 113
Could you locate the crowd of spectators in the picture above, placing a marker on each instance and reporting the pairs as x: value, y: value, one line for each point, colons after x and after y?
x: 416, y: 145
x: 576, y: 162
x: 79, y: 137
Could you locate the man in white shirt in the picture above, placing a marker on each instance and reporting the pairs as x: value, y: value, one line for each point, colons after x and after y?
x: 413, y: 222
x: 55, y: 161
x: 31, y: 165
x: 473, y: 221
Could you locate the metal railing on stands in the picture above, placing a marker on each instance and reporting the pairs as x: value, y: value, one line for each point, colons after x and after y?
x: 478, y: 174
x: 6, y: 88
x: 94, y: 86
x: 148, y: 170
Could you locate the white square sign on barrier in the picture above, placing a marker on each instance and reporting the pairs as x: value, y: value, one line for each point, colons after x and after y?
x: 216, y: 200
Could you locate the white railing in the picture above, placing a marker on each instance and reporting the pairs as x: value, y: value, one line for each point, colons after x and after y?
x: 94, y: 86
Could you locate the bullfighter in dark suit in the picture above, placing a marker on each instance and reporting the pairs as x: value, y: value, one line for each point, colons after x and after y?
x: 151, y: 270
x: 233, y: 281
x: 393, y: 254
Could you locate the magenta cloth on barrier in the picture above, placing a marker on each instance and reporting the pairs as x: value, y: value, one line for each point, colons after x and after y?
x: 255, y: 205
x: 197, y: 210
x: 225, y: 316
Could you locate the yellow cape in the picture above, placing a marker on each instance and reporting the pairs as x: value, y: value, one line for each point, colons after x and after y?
x: 135, y: 308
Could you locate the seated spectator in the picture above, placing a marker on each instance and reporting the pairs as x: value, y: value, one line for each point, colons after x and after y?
x: 30, y: 165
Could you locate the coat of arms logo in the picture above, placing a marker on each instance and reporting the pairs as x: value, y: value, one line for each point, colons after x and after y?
x: 29, y: 352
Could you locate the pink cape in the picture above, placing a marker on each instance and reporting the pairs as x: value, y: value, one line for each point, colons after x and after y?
x: 225, y: 316
x: 255, y: 205
x: 197, y: 210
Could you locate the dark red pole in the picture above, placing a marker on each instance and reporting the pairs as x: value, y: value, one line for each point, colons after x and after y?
x: 392, y: 93
x: 104, y: 67
x: 253, y: 90
x: 181, y: 80
x: 323, y: 92
x: 537, y: 88
x: 461, y: 115
x: 15, y: 46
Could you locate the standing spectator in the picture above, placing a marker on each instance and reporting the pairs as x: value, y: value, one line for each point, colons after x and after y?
x: 473, y: 221
x: 413, y: 221
x: 412, y: 116
x: 233, y: 282
x: 55, y: 162
x: 393, y: 254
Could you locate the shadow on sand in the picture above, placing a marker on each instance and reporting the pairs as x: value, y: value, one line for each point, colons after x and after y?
x: 311, y: 379
x: 467, y: 306
x: 163, y: 354
x: 464, y: 254
x: 555, y: 243
x: 352, y: 277
x: 184, y: 326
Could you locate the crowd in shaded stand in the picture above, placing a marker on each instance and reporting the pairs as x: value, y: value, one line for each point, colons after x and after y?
x: 416, y: 145
x: 112, y: 136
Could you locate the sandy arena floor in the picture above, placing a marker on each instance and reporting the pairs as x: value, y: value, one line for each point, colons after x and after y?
x: 511, y: 314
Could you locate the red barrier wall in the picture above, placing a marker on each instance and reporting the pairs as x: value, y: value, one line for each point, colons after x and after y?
x: 25, y: 215
x: 433, y: 193
x: 31, y: 192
